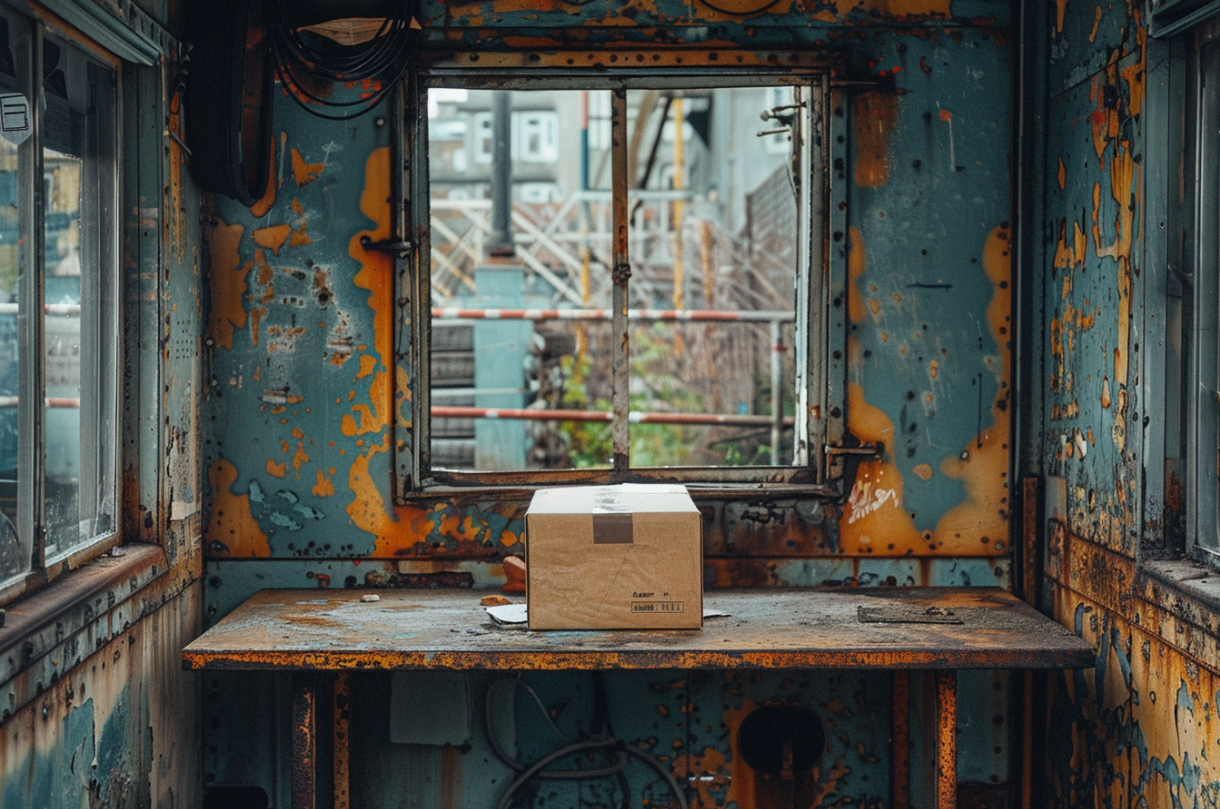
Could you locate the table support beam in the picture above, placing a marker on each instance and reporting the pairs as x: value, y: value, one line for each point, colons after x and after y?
x: 946, y: 739
x: 900, y: 741
x: 304, y: 742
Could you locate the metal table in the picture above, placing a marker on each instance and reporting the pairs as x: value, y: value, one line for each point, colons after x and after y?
x: 321, y: 635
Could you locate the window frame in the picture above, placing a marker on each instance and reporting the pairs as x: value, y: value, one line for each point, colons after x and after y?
x: 1200, y: 278
x: 820, y: 302
x: 100, y: 181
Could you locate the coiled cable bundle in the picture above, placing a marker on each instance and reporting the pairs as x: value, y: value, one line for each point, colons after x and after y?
x: 600, y: 738
x: 304, y: 58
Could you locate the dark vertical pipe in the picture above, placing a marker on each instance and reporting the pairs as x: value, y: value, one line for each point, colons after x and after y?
x: 501, y: 242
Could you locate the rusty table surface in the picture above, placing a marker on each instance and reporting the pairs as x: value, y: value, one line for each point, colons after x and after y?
x: 918, y: 628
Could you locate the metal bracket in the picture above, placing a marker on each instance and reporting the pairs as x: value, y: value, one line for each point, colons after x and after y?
x: 399, y: 247
x: 842, y: 463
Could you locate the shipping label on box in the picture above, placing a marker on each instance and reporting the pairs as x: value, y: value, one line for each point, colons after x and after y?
x: 614, y: 557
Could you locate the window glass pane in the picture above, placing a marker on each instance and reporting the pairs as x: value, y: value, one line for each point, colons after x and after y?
x: 714, y: 236
x: 78, y: 267
x: 15, y: 556
x: 510, y: 366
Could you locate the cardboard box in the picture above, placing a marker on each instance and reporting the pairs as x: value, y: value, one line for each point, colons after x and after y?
x: 614, y: 557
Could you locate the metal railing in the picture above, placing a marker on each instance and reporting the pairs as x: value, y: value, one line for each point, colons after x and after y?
x: 776, y: 420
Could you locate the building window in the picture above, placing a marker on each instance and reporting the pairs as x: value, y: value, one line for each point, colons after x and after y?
x: 535, y: 137
x: 693, y: 347
x: 59, y: 323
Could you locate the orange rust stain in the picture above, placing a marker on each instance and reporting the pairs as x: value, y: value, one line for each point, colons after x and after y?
x: 1062, y: 176
x: 979, y: 524
x: 261, y: 206
x: 874, y: 519
x: 1069, y: 256
x: 226, y: 282
x: 400, y: 530
x: 1096, y: 22
x: 299, y: 237
x: 1124, y: 322
x: 923, y: 471
x: 1122, y: 179
x: 299, y: 458
x: 297, y: 434
x: 273, y: 237
x: 394, y: 527
x: 874, y: 115
x: 278, y: 470
x: 1136, y: 74
x: 856, y: 260
x: 324, y: 487
x: 304, y: 173
x: 297, y: 207
x: 258, y: 307
x: 933, y: 369
x: 368, y: 364
x: 945, y: 115
x: 403, y: 385
x: 1060, y: 9
x: 231, y: 524
x: 1104, y: 120
x: 897, y: 9
x: 1105, y: 393
x: 284, y: 446
x: 874, y: 306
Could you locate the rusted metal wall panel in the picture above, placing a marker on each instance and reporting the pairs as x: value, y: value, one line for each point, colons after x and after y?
x: 1138, y: 729
x: 119, y: 730
x: 306, y: 394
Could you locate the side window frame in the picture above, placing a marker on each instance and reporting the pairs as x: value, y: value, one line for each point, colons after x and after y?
x: 99, y: 343
x: 821, y: 294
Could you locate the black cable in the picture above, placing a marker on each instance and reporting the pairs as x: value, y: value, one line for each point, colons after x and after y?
x: 382, y: 59
x: 732, y: 13
x: 601, y: 719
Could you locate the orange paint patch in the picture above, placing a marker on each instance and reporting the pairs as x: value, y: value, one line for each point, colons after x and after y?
x: 979, y: 524
x: 299, y: 237
x: 299, y: 458
x: 1062, y: 175
x: 923, y: 471
x: 273, y: 237
x: 304, y: 173
x: 856, y: 259
x: 261, y: 206
x: 279, y: 470
x: 874, y: 115
x: 368, y: 364
x: 231, y: 524
x: 324, y: 487
x: 226, y: 282
x: 874, y: 520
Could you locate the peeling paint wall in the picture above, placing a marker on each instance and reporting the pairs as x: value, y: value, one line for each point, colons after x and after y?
x: 95, y: 710
x: 307, y: 394
x: 1139, y: 728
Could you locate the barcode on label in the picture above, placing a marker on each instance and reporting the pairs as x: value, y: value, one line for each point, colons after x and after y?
x: 656, y: 606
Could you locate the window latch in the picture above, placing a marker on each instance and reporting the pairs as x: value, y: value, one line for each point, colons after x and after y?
x: 842, y: 463
x: 399, y: 247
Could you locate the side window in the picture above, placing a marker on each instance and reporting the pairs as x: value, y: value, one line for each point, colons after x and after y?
x: 1201, y: 260
x: 652, y: 311
x: 59, y: 325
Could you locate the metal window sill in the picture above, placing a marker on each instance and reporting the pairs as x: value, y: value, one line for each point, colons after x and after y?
x: 79, y: 611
